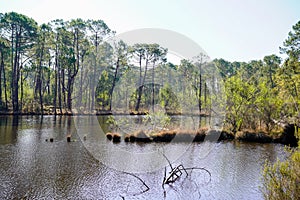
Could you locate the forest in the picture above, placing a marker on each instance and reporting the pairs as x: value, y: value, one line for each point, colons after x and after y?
x: 55, y: 67
x: 69, y: 67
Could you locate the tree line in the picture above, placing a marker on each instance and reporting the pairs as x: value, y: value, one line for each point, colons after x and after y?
x: 56, y: 66
x: 39, y: 63
x: 64, y: 65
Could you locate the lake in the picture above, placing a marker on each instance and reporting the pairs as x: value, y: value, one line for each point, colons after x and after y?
x: 33, y: 168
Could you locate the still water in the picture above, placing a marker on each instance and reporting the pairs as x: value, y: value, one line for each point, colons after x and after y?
x: 32, y: 168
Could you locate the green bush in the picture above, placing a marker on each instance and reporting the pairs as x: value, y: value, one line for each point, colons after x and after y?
x: 282, y: 179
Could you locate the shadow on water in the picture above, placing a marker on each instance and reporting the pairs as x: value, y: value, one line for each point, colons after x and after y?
x: 8, y: 129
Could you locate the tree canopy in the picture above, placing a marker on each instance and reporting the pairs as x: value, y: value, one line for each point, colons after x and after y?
x: 62, y: 65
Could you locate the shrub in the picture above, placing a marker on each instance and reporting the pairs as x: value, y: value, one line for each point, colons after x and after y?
x: 282, y: 179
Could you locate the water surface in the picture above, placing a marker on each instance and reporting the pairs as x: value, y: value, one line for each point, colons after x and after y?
x: 33, y: 168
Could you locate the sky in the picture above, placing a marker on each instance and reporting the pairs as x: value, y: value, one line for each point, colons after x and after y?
x: 235, y: 30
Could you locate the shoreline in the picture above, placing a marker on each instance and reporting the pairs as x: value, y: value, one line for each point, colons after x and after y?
x: 286, y: 137
x: 99, y: 113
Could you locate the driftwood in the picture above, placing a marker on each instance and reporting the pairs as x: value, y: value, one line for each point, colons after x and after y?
x: 199, y: 168
x: 141, y: 180
x: 175, y: 173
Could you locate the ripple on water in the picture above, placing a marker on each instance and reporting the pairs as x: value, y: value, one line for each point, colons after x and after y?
x: 36, y: 169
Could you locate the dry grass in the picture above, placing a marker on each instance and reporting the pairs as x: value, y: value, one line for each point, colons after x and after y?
x: 180, y: 135
x: 174, y: 135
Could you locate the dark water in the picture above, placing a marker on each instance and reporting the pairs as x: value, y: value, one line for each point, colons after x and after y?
x: 32, y: 168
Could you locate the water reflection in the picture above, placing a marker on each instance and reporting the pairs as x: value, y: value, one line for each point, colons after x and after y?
x: 8, y: 129
x: 35, y: 169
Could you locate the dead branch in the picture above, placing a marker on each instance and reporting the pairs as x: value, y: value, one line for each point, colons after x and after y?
x: 200, y: 168
x: 165, y: 174
x: 175, y: 174
x: 171, y: 177
x: 168, y: 161
x: 122, y: 197
x: 143, y: 190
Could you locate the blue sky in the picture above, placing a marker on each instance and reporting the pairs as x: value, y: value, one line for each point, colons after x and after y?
x: 236, y: 30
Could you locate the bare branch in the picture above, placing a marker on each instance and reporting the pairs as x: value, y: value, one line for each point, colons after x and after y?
x: 143, y: 191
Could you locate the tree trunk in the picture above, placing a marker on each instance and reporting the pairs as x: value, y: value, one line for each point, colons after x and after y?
x: 12, y: 65
x: 15, y: 74
x: 73, y: 72
x: 270, y: 75
x: 63, y: 88
x: 205, y: 95
x: 1, y: 69
x: 69, y: 94
x: 153, y: 89
x: 94, y: 77
x: 93, y: 85
x: 140, y: 90
x: 79, y: 103
x: 22, y: 90
x: 22, y: 79
x: 5, y: 88
x: 200, y: 90
x: 113, y: 84
x: 88, y: 96
x: 141, y: 86
x: 55, y: 77
x: 59, y: 91
x: 39, y: 85
x: 47, y: 87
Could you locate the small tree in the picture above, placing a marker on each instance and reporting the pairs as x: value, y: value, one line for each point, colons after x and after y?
x: 282, y: 180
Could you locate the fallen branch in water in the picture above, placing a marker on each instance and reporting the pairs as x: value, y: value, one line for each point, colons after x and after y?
x: 141, y: 180
x: 176, y: 172
x: 200, y: 168
x: 170, y: 164
x: 169, y: 178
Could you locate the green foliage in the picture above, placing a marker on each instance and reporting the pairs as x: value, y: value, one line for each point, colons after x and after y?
x: 111, y: 120
x: 291, y: 44
x: 226, y: 69
x: 148, y: 57
x: 168, y: 100
x: 50, y: 60
x: 241, y: 95
x: 261, y: 93
x: 103, y: 89
x: 158, y: 119
x: 268, y: 105
x: 282, y: 179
